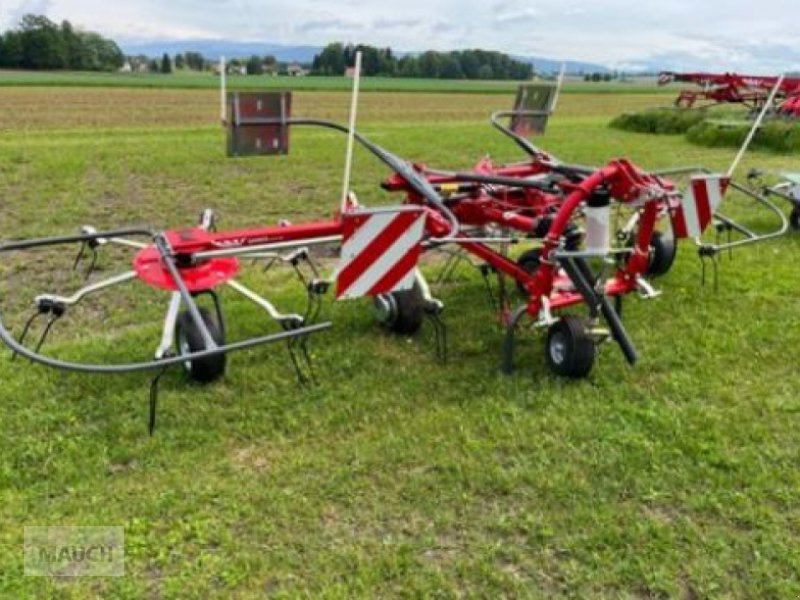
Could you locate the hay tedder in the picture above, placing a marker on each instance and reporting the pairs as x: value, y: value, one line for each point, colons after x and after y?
x: 564, y: 210
x: 751, y: 91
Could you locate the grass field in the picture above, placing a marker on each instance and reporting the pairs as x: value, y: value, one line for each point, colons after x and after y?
x: 207, y: 80
x: 395, y: 475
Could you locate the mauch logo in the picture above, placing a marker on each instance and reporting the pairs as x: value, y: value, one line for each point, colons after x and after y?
x: 75, y: 551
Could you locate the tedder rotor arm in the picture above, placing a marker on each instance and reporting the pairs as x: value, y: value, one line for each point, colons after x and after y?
x: 521, y: 141
x: 160, y: 242
x: 572, y: 171
x: 727, y: 223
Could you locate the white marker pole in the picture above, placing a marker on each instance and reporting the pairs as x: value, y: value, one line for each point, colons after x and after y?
x: 222, y: 91
x: 558, y: 86
x: 756, y: 125
x: 348, y: 161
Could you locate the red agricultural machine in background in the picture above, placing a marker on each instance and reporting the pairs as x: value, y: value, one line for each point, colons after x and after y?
x: 751, y: 91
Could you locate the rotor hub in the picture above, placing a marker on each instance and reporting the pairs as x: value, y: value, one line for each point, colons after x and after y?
x: 200, y: 276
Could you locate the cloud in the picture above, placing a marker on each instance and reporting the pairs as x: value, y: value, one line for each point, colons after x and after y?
x: 328, y: 25
x: 384, y: 23
x: 32, y: 7
x: 718, y: 34
x: 518, y: 16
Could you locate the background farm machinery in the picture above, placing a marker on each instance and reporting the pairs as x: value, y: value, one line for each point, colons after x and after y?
x: 751, y: 91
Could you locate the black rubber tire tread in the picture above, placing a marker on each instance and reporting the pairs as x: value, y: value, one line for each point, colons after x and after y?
x: 529, y: 261
x: 663, y: 251
x: 210, y: 368
x: 580, y: 348
x: 794, y: 218
x: 409, y: 313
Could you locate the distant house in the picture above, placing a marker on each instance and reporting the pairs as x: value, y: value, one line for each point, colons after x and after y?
x: 295, y: 70
x: 230, y: 69
x: 135, y: 64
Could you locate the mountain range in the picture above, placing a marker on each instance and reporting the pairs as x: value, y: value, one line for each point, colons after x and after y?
x: 214, y: 49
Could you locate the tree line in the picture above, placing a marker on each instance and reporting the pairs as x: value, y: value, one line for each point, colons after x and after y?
x: 460, y: 64
x: 39, y: 43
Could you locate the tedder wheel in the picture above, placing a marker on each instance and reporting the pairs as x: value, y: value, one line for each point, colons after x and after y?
x: 401, y: 312
x: 570, y: 350
x: 188, y: 339
x: 662, y: 253
x: 529, y: 261
x: 794, y: 218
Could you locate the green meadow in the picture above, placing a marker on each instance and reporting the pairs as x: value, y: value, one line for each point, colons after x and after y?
x: 394, y: 475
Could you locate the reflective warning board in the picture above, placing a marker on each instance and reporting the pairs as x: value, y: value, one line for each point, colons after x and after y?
x: 256, y: 123
x: 532, y: 107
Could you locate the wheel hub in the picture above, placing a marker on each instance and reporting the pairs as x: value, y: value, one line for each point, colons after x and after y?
x: 558, y: 348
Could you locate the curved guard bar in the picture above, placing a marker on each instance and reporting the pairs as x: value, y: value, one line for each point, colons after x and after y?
x: 8, y: 340
x: 522, y: 142
x: 751, y: 237
x: 69, y: 239
x: 160, y: 241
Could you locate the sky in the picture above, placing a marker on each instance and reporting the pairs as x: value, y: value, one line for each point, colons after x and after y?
x: 742, y: 35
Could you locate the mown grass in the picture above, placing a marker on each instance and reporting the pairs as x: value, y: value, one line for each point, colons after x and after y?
x: 715, y: 127
x: 395, y: 475
x: 659, y: 120
x: 779, y: 136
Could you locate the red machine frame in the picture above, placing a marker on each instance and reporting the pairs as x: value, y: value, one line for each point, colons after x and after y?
x: 749, y: 90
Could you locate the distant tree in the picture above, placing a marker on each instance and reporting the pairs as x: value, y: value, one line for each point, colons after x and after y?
x: 451, y: 67
x: 485, y: 72
x: 331, y: 61
x: 101, y: 53
x: 39, y: 43
x: 12, y: 50
x: 43, y: 46
x: 370, y: 60
x: 255, y: 65
x: 195, y: 61
x: 166, y: 64
x: 469, y: 64
x: 74, y: 48
x: 407, y: 67
x: 270, y: 64
x: 429, y: 64
x: 180, y: 62
x: 153, y: 66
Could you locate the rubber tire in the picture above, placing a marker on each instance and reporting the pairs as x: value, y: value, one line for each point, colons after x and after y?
x: 663, y: 251
x: 578, y: 350
x: 201, y: 370
x: 529, y: 261
x: 407, y: 310
x: 794, y: 218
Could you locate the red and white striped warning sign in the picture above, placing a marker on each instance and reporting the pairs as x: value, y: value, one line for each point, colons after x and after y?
x: 698, y: 205
x: 380, y: 251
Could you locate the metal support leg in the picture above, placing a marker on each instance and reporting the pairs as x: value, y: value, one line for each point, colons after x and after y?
x: 170, y: 321
x: 151, y: 426
x: 581, y: 274
x: 507, y: 358
x: 710, y: 253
